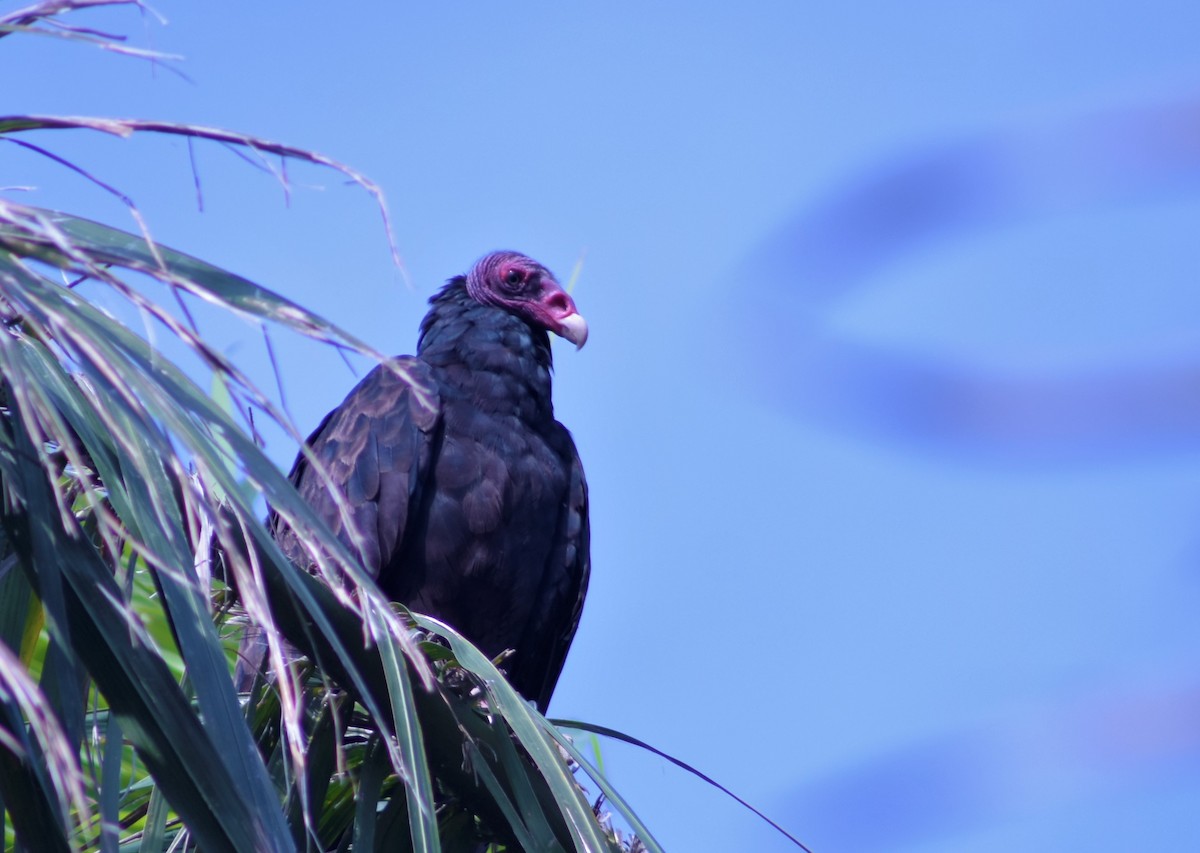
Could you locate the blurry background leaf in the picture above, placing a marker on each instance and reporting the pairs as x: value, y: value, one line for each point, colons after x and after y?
x: 1129, y: 402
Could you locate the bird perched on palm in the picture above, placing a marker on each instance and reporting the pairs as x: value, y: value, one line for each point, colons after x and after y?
x: 467, y: 496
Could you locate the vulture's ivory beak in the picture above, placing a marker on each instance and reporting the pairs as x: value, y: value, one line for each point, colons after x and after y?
x: 574, y: 328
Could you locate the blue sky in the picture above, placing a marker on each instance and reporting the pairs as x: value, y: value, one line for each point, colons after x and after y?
x: 888, y: 405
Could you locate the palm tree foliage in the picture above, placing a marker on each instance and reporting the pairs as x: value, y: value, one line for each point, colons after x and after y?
x: 133, y: 553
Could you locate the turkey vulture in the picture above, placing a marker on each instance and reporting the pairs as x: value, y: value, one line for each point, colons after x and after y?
x: 469, y: 496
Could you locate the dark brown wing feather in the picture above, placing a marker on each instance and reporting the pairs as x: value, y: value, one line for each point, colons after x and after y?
x: 376, y: 447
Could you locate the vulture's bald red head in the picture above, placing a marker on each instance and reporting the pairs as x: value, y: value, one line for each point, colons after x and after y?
x: 521, y: 285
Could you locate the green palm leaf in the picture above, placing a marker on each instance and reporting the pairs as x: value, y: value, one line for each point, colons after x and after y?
x: 133, y: 554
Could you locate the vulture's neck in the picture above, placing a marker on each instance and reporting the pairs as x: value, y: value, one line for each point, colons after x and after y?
x: 493, y: 357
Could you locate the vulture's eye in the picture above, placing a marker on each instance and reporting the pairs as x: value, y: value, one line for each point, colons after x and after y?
x: 514, y: 277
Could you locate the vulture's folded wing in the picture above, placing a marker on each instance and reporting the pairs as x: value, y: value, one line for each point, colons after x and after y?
x: 376, y: 448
